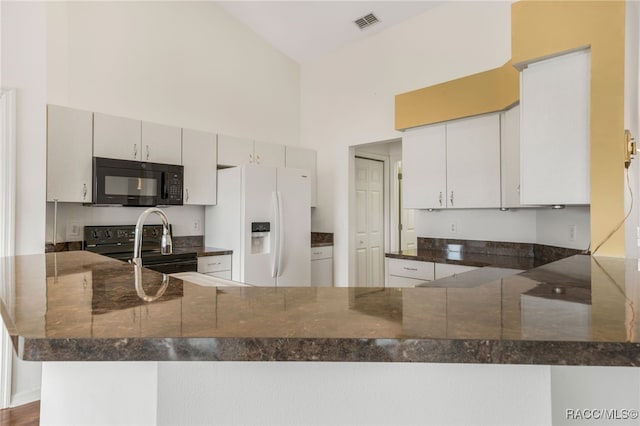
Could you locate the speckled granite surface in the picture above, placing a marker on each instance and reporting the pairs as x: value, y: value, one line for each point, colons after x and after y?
x: 321, y: 239
x: 82, y: 306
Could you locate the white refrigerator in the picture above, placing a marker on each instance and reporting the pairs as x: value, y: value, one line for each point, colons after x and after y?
x: 263, y: 214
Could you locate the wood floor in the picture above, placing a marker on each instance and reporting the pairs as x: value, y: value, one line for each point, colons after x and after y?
x: 24, y: 415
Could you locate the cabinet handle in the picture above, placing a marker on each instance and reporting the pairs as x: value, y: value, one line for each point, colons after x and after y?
x: 250, y: 158
x: 147, y: 152
x: 214, y: 264
x: 410, y: 269
x: 317, y: 252
x: 518, y: 189
x: 258, y: 159
x: 187, y: 191
x: 451, y: 199
x: 440, y: 198
x: 135, y: 151
x: 84, y: 191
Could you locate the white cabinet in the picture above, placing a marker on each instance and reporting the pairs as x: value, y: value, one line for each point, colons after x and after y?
x: 443, y: 270
x: 161, y: 144
x: 233, y: 151
x: 424, y: 168
x: 69, y: 152
x: 554, y: 130
x: 452, y: 165
x: 322, y: 266
x: 269, y: 154
x: 408, y: 273
x: 302, y: 158
x: 510, y: 157
x: 116, y: 137
x: 199, y: 158
x: 217, y: 266
x: 473, y: 162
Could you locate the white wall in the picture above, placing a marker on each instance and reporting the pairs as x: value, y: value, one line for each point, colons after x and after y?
x: 187, y: 64
x: 23, y: 68
x: 348, y: 96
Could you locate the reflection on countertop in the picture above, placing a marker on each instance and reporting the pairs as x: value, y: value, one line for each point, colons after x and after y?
x: 82, y: 306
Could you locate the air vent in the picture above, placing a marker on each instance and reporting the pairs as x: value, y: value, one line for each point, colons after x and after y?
x: 366, y: 21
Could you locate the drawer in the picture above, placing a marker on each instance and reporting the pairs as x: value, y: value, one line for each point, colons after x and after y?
x: 214, y: 263
x: 446, y: 270
x: 411, y: 269
x: 324, y: 252
x: 403, y: 282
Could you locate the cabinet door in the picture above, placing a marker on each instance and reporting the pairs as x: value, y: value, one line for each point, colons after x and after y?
x: 443, y: 270
x: 116, y: 137
x: 510, y: 157
x: 302, y: 158
x: 69, y: 151
x: 322, y: 273
x: 554, y: 131
x: 269, y: 154
x: 473, y: 162
x: 424, y: 183
x: 234, y: 151
x: 199, y: 158
x: 161, y: 144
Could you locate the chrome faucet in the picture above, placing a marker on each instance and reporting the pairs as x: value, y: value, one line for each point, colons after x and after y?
x: 165, y: 243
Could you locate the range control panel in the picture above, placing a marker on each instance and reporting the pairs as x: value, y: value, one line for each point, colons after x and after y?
x: 119, y: 235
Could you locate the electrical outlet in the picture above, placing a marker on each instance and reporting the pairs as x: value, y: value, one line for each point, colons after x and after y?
x: 453, y: 228
x: 196, y: 225
x: 73, y: 231
x: 572, y: 232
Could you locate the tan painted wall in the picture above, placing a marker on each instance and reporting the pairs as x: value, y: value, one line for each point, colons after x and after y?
x: 540, y: 29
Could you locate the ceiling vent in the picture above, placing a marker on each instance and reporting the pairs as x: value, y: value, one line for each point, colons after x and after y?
x: 366, y: 21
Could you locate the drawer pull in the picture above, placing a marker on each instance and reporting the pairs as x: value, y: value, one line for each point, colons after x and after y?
x: 213, y: 264
x: 317, y: 252
x: 410, y: 269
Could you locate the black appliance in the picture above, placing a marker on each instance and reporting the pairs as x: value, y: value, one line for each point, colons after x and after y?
x: 117, y: 242
x: 134, y: 183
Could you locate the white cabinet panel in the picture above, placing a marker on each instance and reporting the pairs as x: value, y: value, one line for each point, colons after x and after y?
x: 443, y: 270
x: 324, y: 252
x: 403, y: 282
x: 424, y: 174
x: 269, y: 154
x: 510, y: 157
x: 69, y: 154
x: 219, y: 263
x: 302, y: 158
x: 410, y: 269
x: 322, y: 266
x: 233, y: 151
x: 116, y: 137
x: 199, y: 158
x: 473, y: 162
x: 554, y: 130
x: 161, y: 144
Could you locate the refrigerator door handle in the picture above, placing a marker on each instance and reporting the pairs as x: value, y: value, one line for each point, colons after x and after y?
x: 280, y: 233
x: 276, y: 215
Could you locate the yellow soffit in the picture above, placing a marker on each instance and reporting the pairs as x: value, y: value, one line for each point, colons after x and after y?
x: 480, y: 93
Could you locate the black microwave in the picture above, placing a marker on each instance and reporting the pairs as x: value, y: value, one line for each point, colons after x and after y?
x: 134, y: 183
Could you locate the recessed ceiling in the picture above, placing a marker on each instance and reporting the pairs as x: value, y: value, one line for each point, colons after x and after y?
x: 307, y: 30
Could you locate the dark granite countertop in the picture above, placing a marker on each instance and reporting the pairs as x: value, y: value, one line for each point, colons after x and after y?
x: 468, y: 259
x: 209, y: 251
x: 82, y: 306
x: 321, y: 244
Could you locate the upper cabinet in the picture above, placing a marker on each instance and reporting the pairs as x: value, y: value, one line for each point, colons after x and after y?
x: 160, y: 143
x: 554, y: 131
x: 116, y: 137
x: 129, y: 139
x: 510, y: 157
x: 452, y: 165
x: 69, y: 165
x: 199, y: 157
x: 302, y: 158
x: 233, y: 151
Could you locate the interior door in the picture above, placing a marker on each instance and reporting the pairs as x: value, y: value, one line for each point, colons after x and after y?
x: 370, y: 223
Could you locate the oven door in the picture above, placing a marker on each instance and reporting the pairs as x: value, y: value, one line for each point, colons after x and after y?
x: 128, y: 183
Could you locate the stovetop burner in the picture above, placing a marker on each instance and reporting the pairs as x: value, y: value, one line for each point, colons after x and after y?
x: 117, y: 242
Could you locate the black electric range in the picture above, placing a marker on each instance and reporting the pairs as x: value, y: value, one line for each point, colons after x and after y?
x: 117, y: 242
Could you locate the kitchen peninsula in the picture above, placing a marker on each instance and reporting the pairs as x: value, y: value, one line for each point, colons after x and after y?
x: 79, y: 306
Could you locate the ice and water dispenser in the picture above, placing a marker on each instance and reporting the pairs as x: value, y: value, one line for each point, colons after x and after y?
x: 260, y: 237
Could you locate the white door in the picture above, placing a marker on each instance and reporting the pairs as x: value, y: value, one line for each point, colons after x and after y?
x: 161, y: 144
x: 294, y: 266
x: 199, y: 158
x: 408, y: 239
x: 369, y: 223
x: 269, y: 154
x: 233, y: 151
x: 116, y: 137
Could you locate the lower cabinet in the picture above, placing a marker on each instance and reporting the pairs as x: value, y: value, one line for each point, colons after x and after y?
x: 444, y: 270
x: 408, y: 273
x: 322, y: 266
x: 216, y: 266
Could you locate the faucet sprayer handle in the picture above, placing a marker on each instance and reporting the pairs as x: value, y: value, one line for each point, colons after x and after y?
x: 166, y: 244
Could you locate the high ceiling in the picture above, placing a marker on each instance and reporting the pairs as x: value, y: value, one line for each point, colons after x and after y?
x: 306, y: 30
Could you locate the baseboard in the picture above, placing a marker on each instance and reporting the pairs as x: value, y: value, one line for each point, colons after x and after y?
x: 25, y: 397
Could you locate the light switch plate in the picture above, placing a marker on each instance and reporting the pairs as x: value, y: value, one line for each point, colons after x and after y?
x: 73, y: 231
